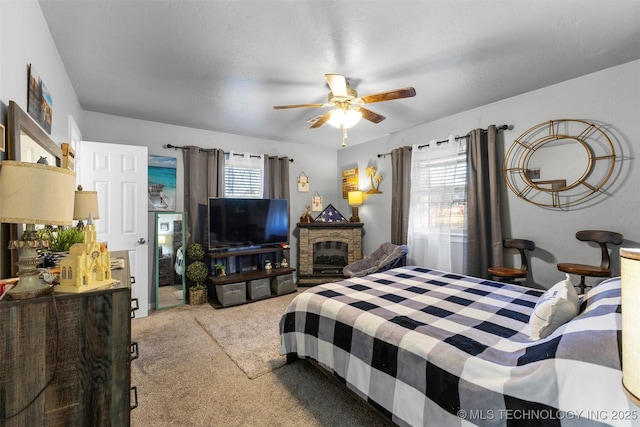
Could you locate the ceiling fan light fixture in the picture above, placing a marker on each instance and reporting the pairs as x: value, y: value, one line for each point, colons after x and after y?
x: 344, y: 118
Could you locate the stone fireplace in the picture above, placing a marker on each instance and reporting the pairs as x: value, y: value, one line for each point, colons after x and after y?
x: 324, y: 248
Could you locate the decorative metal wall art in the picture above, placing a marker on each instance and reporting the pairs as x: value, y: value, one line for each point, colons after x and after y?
x: 370, y: 171
x: 559, y: 163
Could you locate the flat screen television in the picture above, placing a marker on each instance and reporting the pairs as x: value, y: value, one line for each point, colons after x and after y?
x: 247, y: 223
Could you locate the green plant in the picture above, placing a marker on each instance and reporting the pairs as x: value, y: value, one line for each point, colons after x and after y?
x: 196, y: 272
x: 60, y: 238
x: 220, y: 269
x: 196, y: 252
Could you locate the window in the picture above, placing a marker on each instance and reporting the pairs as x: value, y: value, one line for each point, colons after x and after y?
x: 439, y: 187
x: 441, y: 191
x: 243, y: 175
x: 438, y: 203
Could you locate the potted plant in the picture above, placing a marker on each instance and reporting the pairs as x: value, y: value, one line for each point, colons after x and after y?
x: 220, y: 269
x: 197, y: 272
x: 60, y: 241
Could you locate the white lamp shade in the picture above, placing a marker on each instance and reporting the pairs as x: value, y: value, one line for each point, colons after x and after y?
x: 86, y: 202
x: 355, y: 198
x: 348, y: 118
x: 162, y: 239
x: 630, y: 276
x: 33, y: 193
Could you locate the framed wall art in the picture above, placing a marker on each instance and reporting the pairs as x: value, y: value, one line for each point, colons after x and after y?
x: 303, y: 183
x: 316, y: 202
x: 349, y: 181
x: 39, y: 101
x: 162, y: 183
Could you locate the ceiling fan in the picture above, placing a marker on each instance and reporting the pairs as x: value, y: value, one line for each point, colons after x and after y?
x: 348, y: 106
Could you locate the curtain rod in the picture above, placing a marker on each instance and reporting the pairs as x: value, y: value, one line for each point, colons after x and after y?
x: 175, y: 147
x: 457, y: 138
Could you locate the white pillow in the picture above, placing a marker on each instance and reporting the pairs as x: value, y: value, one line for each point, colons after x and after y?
x: 555, y: 307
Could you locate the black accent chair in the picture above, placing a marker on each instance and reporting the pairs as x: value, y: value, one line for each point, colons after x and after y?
x: 603, y: 270
x: 511, y: 274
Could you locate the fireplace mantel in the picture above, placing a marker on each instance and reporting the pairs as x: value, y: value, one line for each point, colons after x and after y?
x: 317, y: 232
x: 341, y: 224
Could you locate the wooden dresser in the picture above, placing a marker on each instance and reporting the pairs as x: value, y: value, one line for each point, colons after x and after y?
x: 75, y: 352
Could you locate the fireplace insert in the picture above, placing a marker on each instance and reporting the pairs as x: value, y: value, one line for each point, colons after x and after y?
x: 330, y: 257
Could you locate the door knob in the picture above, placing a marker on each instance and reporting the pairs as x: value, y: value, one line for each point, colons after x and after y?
x: 142, y: 241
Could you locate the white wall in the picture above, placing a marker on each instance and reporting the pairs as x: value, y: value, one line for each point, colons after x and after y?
x: 317, y: 163
x: 611, y: 97
x: 20, y: 47
x: 25, y: 39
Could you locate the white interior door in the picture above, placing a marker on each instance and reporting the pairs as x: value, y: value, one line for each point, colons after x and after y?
x: 119, y: 174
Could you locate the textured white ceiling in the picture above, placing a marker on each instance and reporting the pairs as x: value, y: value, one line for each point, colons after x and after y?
x: 222, y: 65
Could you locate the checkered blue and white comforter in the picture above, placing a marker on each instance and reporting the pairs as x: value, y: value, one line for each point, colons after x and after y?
x: 427, y: 347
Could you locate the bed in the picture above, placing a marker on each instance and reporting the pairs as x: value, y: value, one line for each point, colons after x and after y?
x: 426, y: 347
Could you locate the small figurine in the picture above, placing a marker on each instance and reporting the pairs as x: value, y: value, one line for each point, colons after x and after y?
x: 267, y: 265
x: 284, y: 263
x: 306, y: 217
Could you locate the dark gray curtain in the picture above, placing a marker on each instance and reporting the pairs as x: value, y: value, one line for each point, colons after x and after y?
x: 276, y: 177
x: 203, y: 178
x: 484, y: 224
x: 400, y: 193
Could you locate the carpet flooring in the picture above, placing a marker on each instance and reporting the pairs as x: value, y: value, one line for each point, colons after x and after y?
x: 186, y: 377
x: 249, y: 333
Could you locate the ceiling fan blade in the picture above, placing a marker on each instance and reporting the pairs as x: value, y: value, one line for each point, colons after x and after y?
x: 337, y: 84
x: 406, y: 92
x: 322, y: 120
x: 284, y: 107
x: 371, y: 116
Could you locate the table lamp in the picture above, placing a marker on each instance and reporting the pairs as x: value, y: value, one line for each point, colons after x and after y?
x: 32, y: 193
x: 630, y: 277
x: 355, y: 200
x: 162, y: 240
x: 85, y: 203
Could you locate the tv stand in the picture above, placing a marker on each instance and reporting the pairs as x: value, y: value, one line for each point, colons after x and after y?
x: 247, y: 266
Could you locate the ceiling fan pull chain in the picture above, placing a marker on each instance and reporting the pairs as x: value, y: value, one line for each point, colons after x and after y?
x: 344, y: 136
